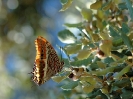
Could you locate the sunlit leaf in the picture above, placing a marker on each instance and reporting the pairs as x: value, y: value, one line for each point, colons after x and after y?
x: 99, y: 24
x: 74, y: 25
x: 70, y: 85
x: 85, y: 41
x: 91, y: 80
x: 131, y: 79
x: 88, y: 89
x: 106, y: 46
x: 83, y: 54
x: 103, y: 72
x: 66, y: 36
x: 66, y: 4
x: 73, y: 48
x: 122, y: 59
x: 104, y: 90
x: 104, y: 35
x: 130, y: 36
x: 107, y: 5
x: 122, y: 72
x: 82, y: 62
x: 100, y: 14
x: 58, y: 79
x: 87, y: 14
x: 95, y: 37
x: 101, y: 64
x: 96, y: 5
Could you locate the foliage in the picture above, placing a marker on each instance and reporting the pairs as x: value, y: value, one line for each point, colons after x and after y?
x: 100, y: 57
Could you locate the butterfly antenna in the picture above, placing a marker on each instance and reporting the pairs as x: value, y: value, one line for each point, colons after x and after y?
x: 61, y: 52
x: 66, y: 54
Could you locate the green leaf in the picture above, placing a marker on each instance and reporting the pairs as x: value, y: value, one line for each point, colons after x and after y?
x: 117, y: 41
x: 82, y: 62
x: 65, y: 4
x: 93, y: 66
x: 108, y: 60
x: 122, y: 6
x: 126, y: 40
x: 127, y: 95
x: 104, y: 35
x: 105, y: 90
x: 63, y: 1
x: 58, y: 79
x: 125, y: 28
x: 66, y: 36
x: 66, y: 97
x: 99, y: 24
x: 74, y: 25
x: 114, y: 88
x: 130, y: 36
x: 107, y: 5
x: 88, y: 89
x: 106, y: 47
x: 66, y: 62
x: 95, y: 93
x: 122, y: 83
x: 95, y: 37
x: 73, y: 48
x: 103, y: 72
x: 87, y: 14
x: 83, y: 54
x: 113, y: 32
x: 129, y: 6
x: 70, y: 85
x: 96, y: 5
x: 101, y: 64
x: 91, y: 80
x: 101, y: 15
x: 122, y: 72
x: 121, y: 60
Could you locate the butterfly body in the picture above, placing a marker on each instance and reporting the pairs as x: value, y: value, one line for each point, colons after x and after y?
x: 47, y: 63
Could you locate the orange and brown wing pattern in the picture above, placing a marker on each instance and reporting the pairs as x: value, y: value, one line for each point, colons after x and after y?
x: 40, y: 44
x: 47, y: 63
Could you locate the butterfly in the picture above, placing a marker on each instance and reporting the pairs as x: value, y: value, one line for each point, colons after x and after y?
x: 47, y: 62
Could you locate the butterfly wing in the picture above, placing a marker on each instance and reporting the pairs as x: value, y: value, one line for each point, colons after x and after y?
x: 54, y: 64
x: 39, y: 64
x: 46, y: 63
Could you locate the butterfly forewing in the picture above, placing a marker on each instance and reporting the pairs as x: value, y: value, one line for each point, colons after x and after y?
x: 47, y: 63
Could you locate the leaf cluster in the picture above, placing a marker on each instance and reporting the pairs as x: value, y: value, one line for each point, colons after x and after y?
x: 100, y: 57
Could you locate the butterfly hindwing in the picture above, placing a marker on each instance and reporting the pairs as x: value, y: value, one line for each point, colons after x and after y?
x: 47, y: 63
